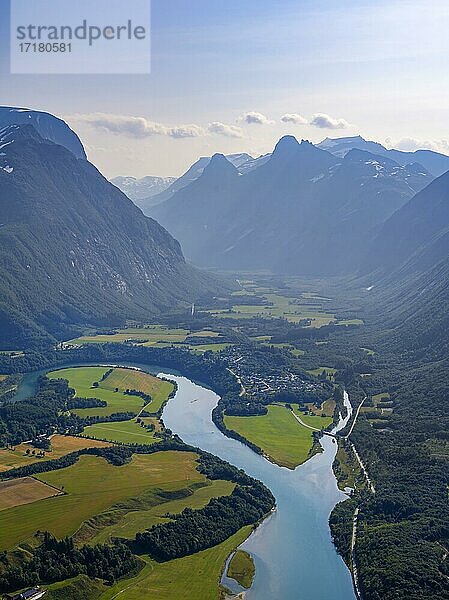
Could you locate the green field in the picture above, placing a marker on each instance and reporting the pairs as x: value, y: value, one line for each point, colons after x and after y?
x: 241, y: 568
x: 142, y: 518
x: 124, y: 432
x: 147, y: 335
x: 82, y: 378
x: 93, y: 486
x: 278, y: 434
x: 193, y: 577
x: 316, y: 421
x: 209, y: 347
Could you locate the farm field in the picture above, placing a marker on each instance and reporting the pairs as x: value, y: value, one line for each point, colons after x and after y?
x: 82, y: 379
x: 316, y: 421
x: 125, y: 432
x: 60, y: 446
x: 241, y: 568
x: 147, y: 335
x: 327, y: 408
x: 124, y: 379
x: 278, y: 433
x: 91, y: 487
x: 142, y: 518
x: 209, y: 347
x: 25, y: 490
x: 320, y: 371
x: 194, y: 577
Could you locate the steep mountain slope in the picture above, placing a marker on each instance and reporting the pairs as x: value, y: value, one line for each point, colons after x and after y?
x: 434, y: 162
x: 303, y: 211
x: 144, y: 188
x: 48, y: 126
x: 74, y: 249
x: 242, y: 161
x: 416, y: 237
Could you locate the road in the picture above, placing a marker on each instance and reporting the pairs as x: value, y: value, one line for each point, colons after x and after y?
x: 242, y: 388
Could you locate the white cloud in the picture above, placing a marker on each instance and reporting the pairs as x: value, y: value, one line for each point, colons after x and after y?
x: 226, y: 130
x: 294, y: 119
x: 412, y: 144
x: 255, y: 118
x: 323, y: 121
x: 136, y: 127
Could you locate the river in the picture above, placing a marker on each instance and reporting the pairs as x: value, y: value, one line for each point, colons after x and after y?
x: 292, y: 549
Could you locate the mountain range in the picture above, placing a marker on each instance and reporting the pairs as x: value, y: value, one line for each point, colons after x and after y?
x: 144, y: 188
x: 73, y: 248
x: 300, y: 210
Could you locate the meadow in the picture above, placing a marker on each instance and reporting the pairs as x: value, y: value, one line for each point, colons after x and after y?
x: 241, y: 568
x: 123, y: 432
x: 148, y: 335
x: 83, y: 378
x: 278, y: 434
x: 194, y: 577
x: 25, y: 490
x: 91, y: 487
x: 60, y: 446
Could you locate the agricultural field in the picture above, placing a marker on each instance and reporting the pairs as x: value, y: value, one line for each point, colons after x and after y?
x: 147, y: 335
x: 241, y: 568
x: 123, y: 432
x: 93, y: 486
x: 124, y: 379
x: 25, y: 490
x: 278, y: 434
x: 83, y: 378
x: 209, y: 347
x: 315, y: 421
x: 194, y: 577
x: 327, y: 408
x: 143, y: 517
x: 61, y: 445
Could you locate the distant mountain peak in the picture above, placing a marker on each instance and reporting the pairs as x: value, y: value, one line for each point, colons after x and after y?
x: 287, y: 145
x: 219, y: 164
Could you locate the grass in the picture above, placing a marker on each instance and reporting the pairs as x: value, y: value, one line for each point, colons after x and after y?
x: 74, y: 589
x: 125, y: 432
x: 25, y: 490
x: 277, y: 433
x: 204, y: 334
x: 327, y: 408
x: 347, y: 469
x: 158, y: 389
x: 60, y: 446
x: 144, y: 517
x: 149, y: 335
x: 92, y: 486
x: 316, y: 421
x: 82, y: 378
x: 347, y: 322
x: 194, y: 577
x: 278, y: 306
x: 209, y: 347
x: 241, y: 568
x: 328, y: 371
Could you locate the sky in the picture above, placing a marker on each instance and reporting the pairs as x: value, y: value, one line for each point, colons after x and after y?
x: 234, y: 76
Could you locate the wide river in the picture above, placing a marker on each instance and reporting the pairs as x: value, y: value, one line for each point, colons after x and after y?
x: 292, y: 549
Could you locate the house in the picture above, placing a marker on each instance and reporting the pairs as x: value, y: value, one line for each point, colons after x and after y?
x: 31, y: 594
